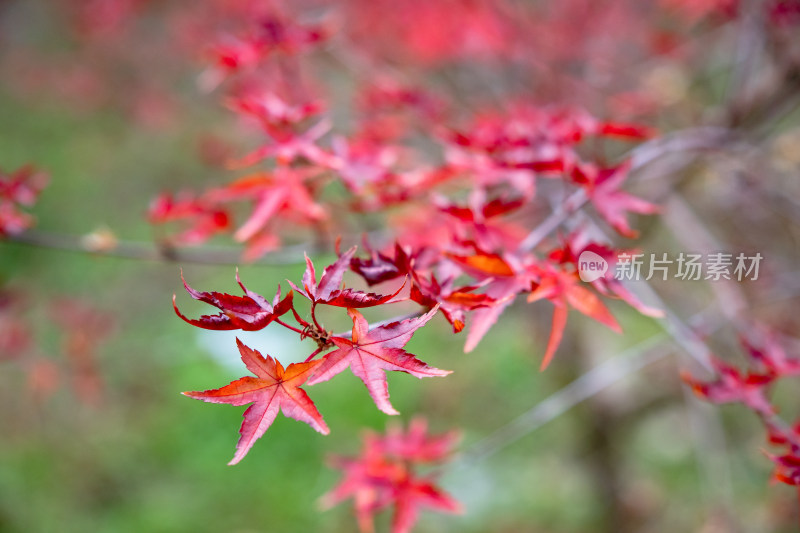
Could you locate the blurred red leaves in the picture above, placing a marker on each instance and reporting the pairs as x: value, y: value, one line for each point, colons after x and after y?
x: 18, y: 189
x: 768, y: 362
x: 82, y: 330
x: 384, y: 476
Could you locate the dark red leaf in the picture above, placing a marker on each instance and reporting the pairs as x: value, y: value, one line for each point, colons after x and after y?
x: 249, y: 313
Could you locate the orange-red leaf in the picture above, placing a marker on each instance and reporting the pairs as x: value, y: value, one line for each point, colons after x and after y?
x: 273, y: 389
x: 556, y: 333
x: 485, y: 263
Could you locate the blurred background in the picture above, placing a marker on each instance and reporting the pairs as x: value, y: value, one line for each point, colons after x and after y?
x: 107, y: 98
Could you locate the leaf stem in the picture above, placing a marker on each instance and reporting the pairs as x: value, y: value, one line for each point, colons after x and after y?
x: 289, y: 326
x: 313, y: 354
x: 314, y: 316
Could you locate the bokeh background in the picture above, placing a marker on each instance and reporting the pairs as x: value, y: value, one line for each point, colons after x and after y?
x: 95, y: 436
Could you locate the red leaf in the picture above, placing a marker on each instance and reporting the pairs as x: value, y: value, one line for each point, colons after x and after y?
x: 556, y: 333
x: 17, y: 189
x: 201, y: 218
x: 379, y: 267
x: 576, y: 244
x: 328, y: 290
x: 733, y: 386
x: 273, y: 389
x: 613, y: 204
x: 563, y: 288
x: 330, y: 281
x: 787, y: 468
x: 454, y: 303
x: 771, y: 356
x: 411, y: 495
x: 590, y: 305
x: 371, y: 352
x: 416, y: 445
x: 483, y: 264
x: 358, y: 299
x: 503, y: 291
x: 384, y: 476
x: 283, y: 194
x: 625, y: 131
x: 249, y: 313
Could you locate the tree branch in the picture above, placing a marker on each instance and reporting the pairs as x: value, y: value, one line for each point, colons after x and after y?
x: 143, y: 251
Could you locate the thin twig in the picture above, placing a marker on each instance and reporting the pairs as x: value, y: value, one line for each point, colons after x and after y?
x: 592, y: 382
x: 587, y: 385
x: 689, y: 140
x: 750, y: 43
x: 142, y: 251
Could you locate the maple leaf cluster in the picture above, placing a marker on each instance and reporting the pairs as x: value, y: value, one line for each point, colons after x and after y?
x: 768, y: 362
x: 371, y: 350
x: 457, y: 223
x: 265, y: 64
x: 384, y: 475
x: 19, y: 189
x: 459, y: 214
x: 368, y: 352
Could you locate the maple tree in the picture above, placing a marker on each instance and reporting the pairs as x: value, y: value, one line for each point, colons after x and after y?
x: 459, y: 159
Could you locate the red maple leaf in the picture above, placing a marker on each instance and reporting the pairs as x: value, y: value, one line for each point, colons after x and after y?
x: 410, y: 494
x: 611, y: 203
x: 732, y: 385
x: 563, y: 290
x: 276, y: 116
x: 454, y: 302
x: 569, y: 255
x: 503, y: 280
x: 18, y: 188
x: 273, y: 389
x: 286, y: 192
x: 289, y: 147
x: 771, y: 356
x: 383, y: 476
x: 480, y: 220
x: 415, y: 445
x: 633, y: 132
x: 365, y: 481
x: 328, y: 290
x: 203, y: 219
x: 787, y: 468
x: 250, y: 312
x: 371, y: 352
x: 380, y: 267
x: 271, y: 34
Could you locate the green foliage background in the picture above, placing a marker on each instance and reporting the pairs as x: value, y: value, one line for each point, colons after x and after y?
x: 150, y: 460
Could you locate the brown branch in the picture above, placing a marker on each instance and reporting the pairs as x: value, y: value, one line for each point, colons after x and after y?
x: 143, y: 251
x: 689, y: 140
